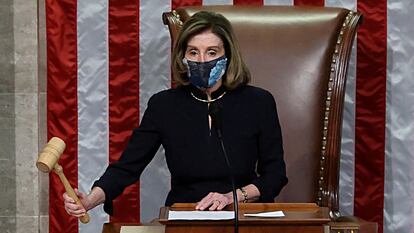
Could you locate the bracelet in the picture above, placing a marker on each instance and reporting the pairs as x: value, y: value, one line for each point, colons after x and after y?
x: 244, y: 194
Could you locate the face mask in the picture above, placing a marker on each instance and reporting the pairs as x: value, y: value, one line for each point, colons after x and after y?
x: 205, y: 74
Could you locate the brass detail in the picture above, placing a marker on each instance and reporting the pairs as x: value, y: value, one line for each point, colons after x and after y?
x: 177, y: 17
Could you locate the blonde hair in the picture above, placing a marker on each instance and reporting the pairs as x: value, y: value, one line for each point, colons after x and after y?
x: 237, y: 73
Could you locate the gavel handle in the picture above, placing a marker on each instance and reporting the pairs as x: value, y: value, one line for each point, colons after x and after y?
x: 59, y: 171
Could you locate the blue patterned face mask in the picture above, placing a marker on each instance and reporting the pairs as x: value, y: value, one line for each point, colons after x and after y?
x: 205, y: 74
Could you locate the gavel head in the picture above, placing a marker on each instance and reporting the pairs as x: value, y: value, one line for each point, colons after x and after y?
x: 50, y: 154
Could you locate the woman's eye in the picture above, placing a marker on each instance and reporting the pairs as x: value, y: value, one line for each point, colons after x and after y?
x: 212, y: 53
x: 192, y: 53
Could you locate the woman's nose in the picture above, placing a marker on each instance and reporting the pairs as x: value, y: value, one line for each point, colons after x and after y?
x: 202, y: 58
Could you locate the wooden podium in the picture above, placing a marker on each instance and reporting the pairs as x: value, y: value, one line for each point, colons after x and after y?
x: 299, y: 217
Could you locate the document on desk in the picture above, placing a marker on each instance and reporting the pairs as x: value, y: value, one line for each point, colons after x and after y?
x: 271, y: 214
x: 142, y: 229
x: 200, y: 215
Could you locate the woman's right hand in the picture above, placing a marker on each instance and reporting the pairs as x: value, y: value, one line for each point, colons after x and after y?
x: 75, y: 209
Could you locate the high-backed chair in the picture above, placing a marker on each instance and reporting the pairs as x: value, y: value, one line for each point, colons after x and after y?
x: 301, y: 55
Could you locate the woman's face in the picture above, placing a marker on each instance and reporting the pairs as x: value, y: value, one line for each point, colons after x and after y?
x: 204, y: 47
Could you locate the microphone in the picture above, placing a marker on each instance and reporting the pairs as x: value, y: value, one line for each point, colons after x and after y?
x: 214, y: 110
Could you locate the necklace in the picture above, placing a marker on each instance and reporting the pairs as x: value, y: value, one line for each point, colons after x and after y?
x: 207, y: 101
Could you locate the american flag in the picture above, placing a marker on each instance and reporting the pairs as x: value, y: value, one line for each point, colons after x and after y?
x: 105, y: 58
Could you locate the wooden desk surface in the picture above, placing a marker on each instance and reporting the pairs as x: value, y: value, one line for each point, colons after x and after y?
x: 148, y: 228
x: 296, y: 215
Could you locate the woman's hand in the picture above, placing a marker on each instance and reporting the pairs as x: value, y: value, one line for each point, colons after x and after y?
x: 74, y: 209
x: 215, y: 201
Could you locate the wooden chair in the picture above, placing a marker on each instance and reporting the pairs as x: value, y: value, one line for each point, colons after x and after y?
x: 301, y: 55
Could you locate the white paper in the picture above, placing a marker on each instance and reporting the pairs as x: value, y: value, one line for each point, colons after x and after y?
x: 142, y: 229
x: 272, y: 214
x: 200, y: 215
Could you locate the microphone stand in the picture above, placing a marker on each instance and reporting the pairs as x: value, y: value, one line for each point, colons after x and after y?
x: 215, y: 113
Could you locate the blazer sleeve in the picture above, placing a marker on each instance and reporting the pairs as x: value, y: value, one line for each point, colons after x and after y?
x: 271, y: 167
x: 140, y: 150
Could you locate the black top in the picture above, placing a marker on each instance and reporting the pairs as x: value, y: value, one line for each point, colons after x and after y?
x: 177, y: 120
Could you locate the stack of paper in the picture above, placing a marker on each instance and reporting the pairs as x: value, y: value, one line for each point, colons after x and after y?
x: 272, y: 214
x: 200, y: 215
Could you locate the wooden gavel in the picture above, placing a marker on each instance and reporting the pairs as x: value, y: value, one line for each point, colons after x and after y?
x: 48, y: 161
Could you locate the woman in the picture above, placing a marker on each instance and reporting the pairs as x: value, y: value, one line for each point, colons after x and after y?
x: 208, y: 69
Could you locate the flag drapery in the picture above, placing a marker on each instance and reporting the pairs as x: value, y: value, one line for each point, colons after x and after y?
x: 105, y: 58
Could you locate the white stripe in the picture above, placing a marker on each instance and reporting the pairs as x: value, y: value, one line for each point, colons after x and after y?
x: 348, y: 4
x: 399, y: 153
x: 278, y: 2
x: 92, y: 18
x: 347, y: 163
x: 154, y: 76
x: 217, y: 2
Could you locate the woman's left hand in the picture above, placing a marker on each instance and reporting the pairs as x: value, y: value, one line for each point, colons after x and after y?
x: 215, y: 201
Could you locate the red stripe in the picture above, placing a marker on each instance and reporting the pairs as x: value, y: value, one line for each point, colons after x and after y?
x: 370, y: 112
x: 248, y: 2
x: 309, y: 2
x: 123, y: 94
x: 62, y: 104
x: 180, y: 3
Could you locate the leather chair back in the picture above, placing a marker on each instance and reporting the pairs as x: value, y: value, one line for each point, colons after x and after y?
x: 301, y: 55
